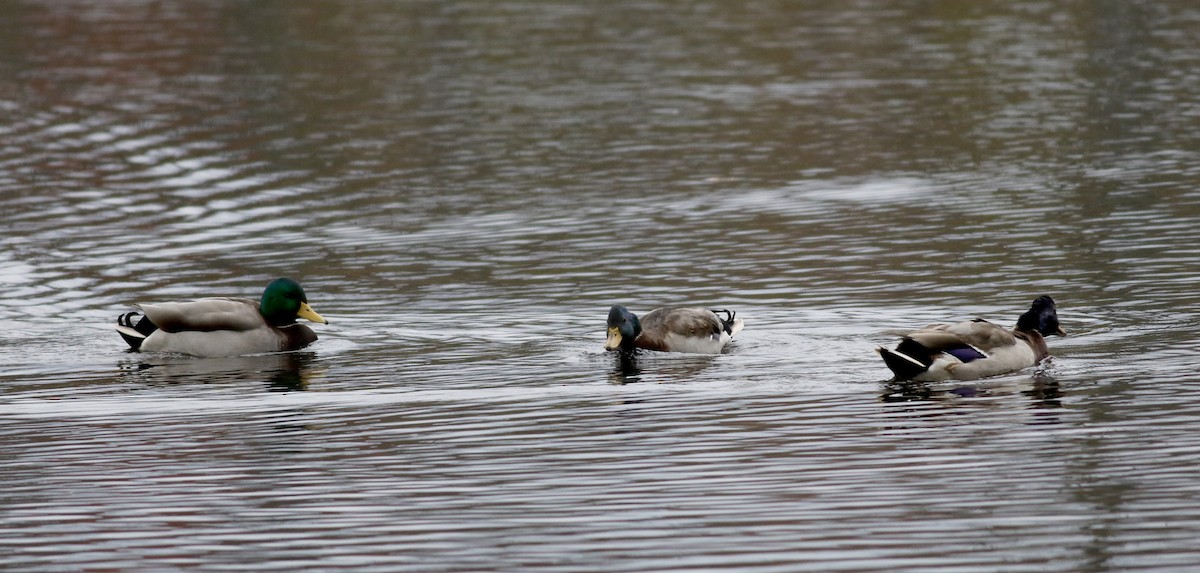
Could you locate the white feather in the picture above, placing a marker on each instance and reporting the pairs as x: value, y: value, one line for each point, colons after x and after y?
x: 695, y: 344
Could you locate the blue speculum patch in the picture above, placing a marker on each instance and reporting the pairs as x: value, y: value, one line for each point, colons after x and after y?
x: 966, y: 354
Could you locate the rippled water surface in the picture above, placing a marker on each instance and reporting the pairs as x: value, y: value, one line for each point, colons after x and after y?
x: 464, y: 188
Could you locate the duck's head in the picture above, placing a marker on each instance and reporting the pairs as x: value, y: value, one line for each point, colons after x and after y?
x: 283, y: 302
x: 1041, y: 317
x: 623, y: 328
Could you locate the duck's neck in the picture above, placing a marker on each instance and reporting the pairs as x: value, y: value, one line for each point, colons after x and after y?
x: 274, y: 313
x: 1035, y: 340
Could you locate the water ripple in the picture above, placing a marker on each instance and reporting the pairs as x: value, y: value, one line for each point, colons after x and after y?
x: 465, y: 188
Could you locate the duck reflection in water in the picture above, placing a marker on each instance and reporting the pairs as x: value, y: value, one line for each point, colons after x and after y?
x: 627, y: 370
x: 658, y: 367
x: 295, y: 373
x: 284, y: 372
x: 1041, y: 388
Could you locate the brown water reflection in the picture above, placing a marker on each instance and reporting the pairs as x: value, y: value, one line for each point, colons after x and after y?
x: 466, y: 187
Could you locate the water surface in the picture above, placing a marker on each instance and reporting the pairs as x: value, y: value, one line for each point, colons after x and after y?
x: 464, y: 188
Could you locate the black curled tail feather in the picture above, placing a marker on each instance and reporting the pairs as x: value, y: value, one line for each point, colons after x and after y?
x: 727, y: 322
x: 143, y: 326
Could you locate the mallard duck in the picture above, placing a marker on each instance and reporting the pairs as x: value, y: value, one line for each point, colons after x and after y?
x: 697, y: 330
x: 224, y: 326
x: 975, y: 348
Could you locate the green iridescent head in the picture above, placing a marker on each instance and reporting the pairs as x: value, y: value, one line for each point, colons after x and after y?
x: 283, y: 301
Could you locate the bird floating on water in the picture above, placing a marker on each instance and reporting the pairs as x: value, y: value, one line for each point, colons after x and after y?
x: 696, y: 330
x: 211, y: 327
x: 975, y: 348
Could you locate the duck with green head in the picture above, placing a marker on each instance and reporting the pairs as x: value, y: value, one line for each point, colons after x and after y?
x: 224, y: 326
x: 697, y: 330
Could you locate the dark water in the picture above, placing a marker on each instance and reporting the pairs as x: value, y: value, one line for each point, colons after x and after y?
x: 465, y: 187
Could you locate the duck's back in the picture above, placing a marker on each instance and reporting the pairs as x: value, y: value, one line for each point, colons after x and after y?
x: 219, y: 327
x: 978, y: 333
x: 696, y: 330
x: 1002, y: 350
x: 206, y: 315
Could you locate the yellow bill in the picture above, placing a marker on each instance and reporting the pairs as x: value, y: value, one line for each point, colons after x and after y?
x: 307, y: 313
x: 613, y: 341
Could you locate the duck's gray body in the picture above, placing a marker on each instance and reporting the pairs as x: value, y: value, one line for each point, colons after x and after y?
x: 211, y: 327
x: 681, y: 329
x: 219, y: 327
x: 965, y: 351
x: 974, y: 349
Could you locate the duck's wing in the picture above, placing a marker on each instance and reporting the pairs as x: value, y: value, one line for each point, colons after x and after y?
x: 965, y: 341
x: 206, y: 315
x: 698, y: 322
x: 696, y: 330
x: 978, y: 349
x: 983, y: 335
x: 936, y: 337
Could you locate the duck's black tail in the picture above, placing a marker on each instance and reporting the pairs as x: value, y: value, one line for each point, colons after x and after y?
x: 902, y: 365
x: 134, y: 332
x: 727, y: 323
